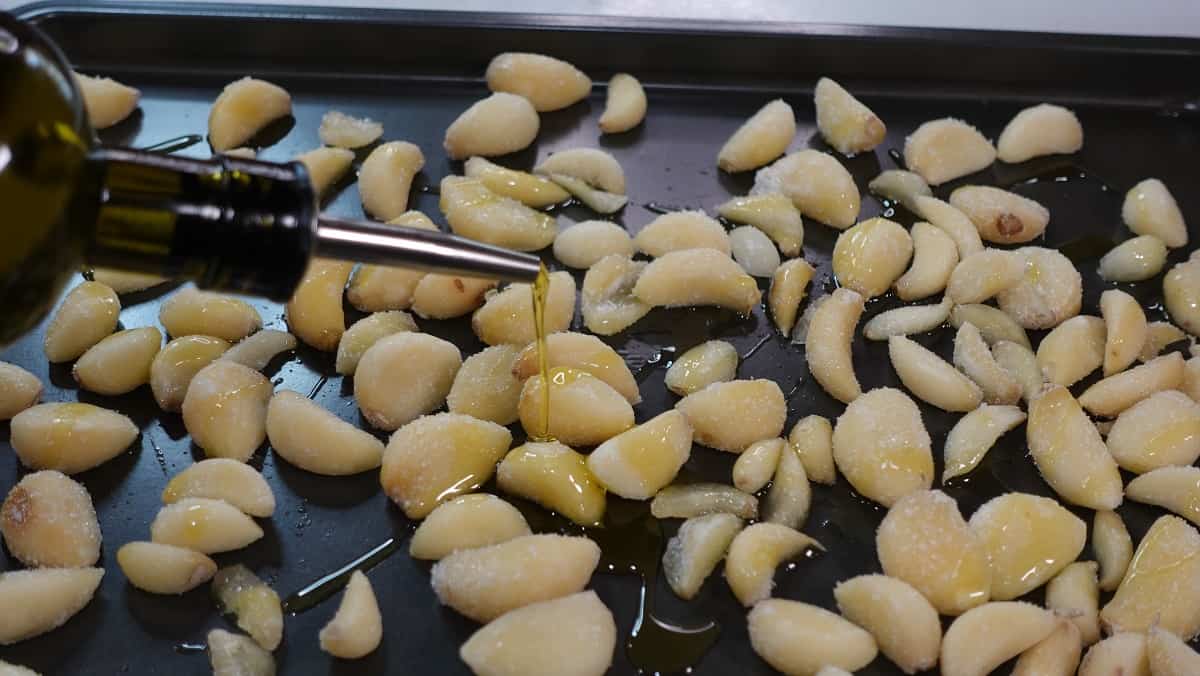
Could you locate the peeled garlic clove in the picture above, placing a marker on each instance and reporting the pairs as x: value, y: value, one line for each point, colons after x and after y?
x: 830, y: 334
x: 1022, y: 365
x: 1112, y: 546
x: 904, y: 624
x: 1125, y: 330
x: 790, y: 497
x: 756, y: 465
x: 1168, y: 655
x: 812, y: 439
x: 46, y: 597
x: 529, y: 189
x: 772, y: 213
x: 259, y: 349
x: 972, y: 357
x: 87, y: 314
x: 625, y: 107
x: 466, y: 522
x: 314, y: 312
x: 713, y: 361
x: 583, y: 352
x: 107, y: 101
x: 548, y: 83
x: 696, y: 549
x: 316, y: 440
x: 1029, y: 539
x: 193, y: 312
x: 237, y: 655
x: 945, y: 149
x: 1134, y: 260
x: 697, y: 277
x: 243, y: 108
x: 1069, y: 453
x: 583, y: 410
x: 386, y: 177
x: 357, y: 628
x: 69, y: 437
x: 974, y: 434
x: 555, y: 477
x: 900, y: 186
x: 1160, y: 586
x: 798, y: 638
x: 448, y: 296
x: 691, y: 500
x: 477, y: 213
x: 1158, y: 336
x: 326, y: 166
x: 934, y: 259
x: 507, y: 317
x: 1191, y: 378
x: 1050, y: 292
x: 845, y: 123
x: 1161, y: 430
x: 486, y: 386
x: 225, y: 410
x: 983, y: 275
x: 344, y: 131
x: 1120, y: 654
x: 48, y: 520
x: 1044, y: 129
x: 732, y: 415
x: 519, y: 572
x: 126, y: 282
x: 498, y: 125
x: 638, y: 462
x: 681, y: 230
x: 376, y: 288
x: 1181, y: 294
x: 164, y: 569
x: 600, y: 201
x: 1001, y: 216
x: 983, y: 638
x: 1072, y: 350
x: 584, y: 244
x: 931, y: 378
x: 871, y: 256
x: 437, y: 457
x: 1074, y: 595
x: 1176, y: 489
x: 907, y: 320
x: 819, y: 186
x: 367, y: 331
x: 177, y: 363
x: 574, y: 635
x: 1150, y: 209
x: 1114, y: 394
x: 753, y: 250
x: 880, y: 445
x: 954, y: 222
x: 234, y: 482
x: 256, y: 606
x: 120, y: 363
x: 760, y: 139
x: 788, y: 284
x: 590, y: 165
x: 204, y: 525
x: 19, y: 389
x: 404, y: 376
x: 606, y: 300
x: 924, y: 541
x: 755, y: 553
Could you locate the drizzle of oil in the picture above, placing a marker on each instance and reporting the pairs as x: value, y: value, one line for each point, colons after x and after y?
x: 897, y: 158
x: 662, y: 208
x: 328, y: 585
x: 159, y: 456
x: 757, y: 346
x: 312, y: 394
x: 190, y: 648
x: 174, y: 144
x: 540, y: 289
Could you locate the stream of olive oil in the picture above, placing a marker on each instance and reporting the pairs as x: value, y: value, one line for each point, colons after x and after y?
x: 540, y: 288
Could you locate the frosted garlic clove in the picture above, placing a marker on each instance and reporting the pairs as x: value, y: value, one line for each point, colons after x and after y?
x: 69, y: 437
x: 326, y: 167
x: 1001, y: 216
x: 732, y: 415
x: 753, y: 250
x: 466, y: 522
x: 87, y: 314
x: 788, y: 284
x: 1176, y: 489
x: 1029, y: 539
x: 904, y: 624
x: 754, y: 554
x: 638, y: 462
x: 477, y: 213
x: 357, y: 628
x: 945, y: 149
x: 107, y: 101
x: 314, y: 312
x: 260, y: 348
x: 774, y: 214
x: 871, y: 256
x: 234, y: 482
x: 48, y: 520
x: 164, y: 569
x: 1074, y: 595
x: 548, y: 83
x: 819, y: 186
x: 367, y: 331
x: 1168, y: 655
x: 760, y: 139
x: 931, y: 378
x: 812, y: 438
x: 924, y: 541
x: 256, y: 606
x: 583, y: 352
x: 177, y: 363
x: 954, y: 222
x: 1125, y: 330
x: 788, y: 501
x: 696, y: 549
x: 1058, y: 653
x: 436, y: 457
x: 447, y: 296
x: 1022, y: 365
x: 681, y: 230
x: 487, y: 582
x: 590, y: 165
x: 625, y: 106
x: 1072, y: 350
x: 984, y: 274
x: 993, y: 324
x: 1114, y: 394
x: 972, y: 357
x: 119, y: 363
x: 555, y: 477
x: 606, y: 299
x: 584, y: 410
x: 1160, y: 430
x: 1159, y: 588
x: 404, y: 376
x: 1150, y: 209
x: 376, y: 288
x: 486, y: 386
x: 1050, y: 291
x: 1112, y: 546
x: 571, y: 636
x: 498, y: 125
x: 697, y: 277
x: 907, y: 320
x: 19, y: 389
x: 1122, y: 654
x: 691, y: 500
x: 798, y: 638
x: 1134, y: 260
x: 830, y: 334
x: 880, y: 445
x: 242, y: 109
x: 47, y: 597
x: 1069, y: 453
x: 600, y: 201
x: 756, y: 465
x: 237, y: 655
x: 316, y: 440
x: 900, y: 186
x: 1158, y: 336
x: 507, y: 317
x: 1191, y: 378
x: 983, y: 638
x: 192, y: 312
x: 713, y: 361
x: 204, y: 525
x: 584, y: 244
x: 344, y: 131
x: 1044, y: 129
x: 534, y: 191
x: 844, y: 121
x: 1181, y: 294
x: 225, y: 410
x: 126, y: 282
x: 974, y: 435
x: 934, y: 259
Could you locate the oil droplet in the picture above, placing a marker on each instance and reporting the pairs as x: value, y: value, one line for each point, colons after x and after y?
x: 190, y: 648
x: 328, y: 585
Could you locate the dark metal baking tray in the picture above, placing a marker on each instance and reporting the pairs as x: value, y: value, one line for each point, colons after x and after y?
x: 415, y: 71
